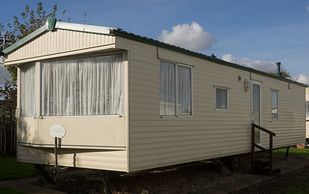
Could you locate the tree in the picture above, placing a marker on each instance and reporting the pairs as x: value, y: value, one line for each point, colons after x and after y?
x: 29, y: 20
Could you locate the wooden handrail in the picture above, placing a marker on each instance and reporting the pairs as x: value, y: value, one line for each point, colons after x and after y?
x: 253, y: 145
x: 263, y: 129
x: 260, y: 147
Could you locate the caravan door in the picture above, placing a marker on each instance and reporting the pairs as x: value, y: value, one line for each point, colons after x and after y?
x: 256, y: 108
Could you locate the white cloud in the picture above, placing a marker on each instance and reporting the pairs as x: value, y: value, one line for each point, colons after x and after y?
x: 307, y: 8
x: 302, y: 78
x: 228, y: 58
x: 190, y: 36
x: 266, y: 66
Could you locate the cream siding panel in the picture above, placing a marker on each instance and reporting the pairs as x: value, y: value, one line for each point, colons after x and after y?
x: 98, y: 142
x: 156, y: 141
x: 59, y: 42
x: 80, y: 158
x: 290, y: 126
x: 95, y: 131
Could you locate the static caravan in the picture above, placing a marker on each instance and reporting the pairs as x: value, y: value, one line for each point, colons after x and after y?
x: 307, y: 115
x: 127, y: 103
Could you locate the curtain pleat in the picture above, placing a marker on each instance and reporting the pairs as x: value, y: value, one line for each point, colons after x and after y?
x: 167, y: 89
x: 169, y: 84
x: 184, y: 90
x: 90, y: 86
x: 27, y: 85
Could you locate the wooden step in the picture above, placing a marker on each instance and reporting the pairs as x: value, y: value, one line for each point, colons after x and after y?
x: 261, y: 163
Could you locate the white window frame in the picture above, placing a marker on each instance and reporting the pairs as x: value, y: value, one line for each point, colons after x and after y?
x: 259, y: 83
x: 271, y: 106
x: 177, y: 113
x: 227, y: 98
x: 19, y: 103
x: 124, y: 86
x: 307, y: 109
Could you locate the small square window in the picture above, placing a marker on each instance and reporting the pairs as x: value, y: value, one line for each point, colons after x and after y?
x: 221, y: 98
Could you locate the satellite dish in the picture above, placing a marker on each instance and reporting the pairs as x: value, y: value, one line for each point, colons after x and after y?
x: 57, y: 131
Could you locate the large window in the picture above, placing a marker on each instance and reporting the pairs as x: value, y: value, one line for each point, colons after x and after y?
x: 27, y: 85
x: 274, y: 104
x: 175, y: 89
x: 221, y: 98
x: 89, y: 86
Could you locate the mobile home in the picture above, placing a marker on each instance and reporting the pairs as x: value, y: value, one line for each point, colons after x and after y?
x: 129, y: 103
x: 307, y: 115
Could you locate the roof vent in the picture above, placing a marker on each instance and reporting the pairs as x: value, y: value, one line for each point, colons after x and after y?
x: 213, y: 56
x: 279, y: 74
x: 51, y: 23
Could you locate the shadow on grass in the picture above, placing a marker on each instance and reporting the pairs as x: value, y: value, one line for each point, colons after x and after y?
x: 10, y: 169
x: 9, y: 191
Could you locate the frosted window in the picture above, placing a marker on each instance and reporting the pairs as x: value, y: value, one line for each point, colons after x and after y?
x: 27, y: 85
x: 90, y: 86
x: 221, y: 98
x: 274, y: 104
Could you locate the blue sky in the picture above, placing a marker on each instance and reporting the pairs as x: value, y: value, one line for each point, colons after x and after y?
x: 243, y: 31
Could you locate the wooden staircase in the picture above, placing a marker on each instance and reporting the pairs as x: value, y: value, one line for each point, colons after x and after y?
x: 262, y: 166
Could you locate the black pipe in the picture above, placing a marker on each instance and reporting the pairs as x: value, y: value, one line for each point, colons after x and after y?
x: 279, y: 69
x: 287, y: 152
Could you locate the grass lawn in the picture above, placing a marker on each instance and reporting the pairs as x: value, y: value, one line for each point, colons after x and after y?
x: 302, y: 153
x: 301, y: 187
x: 10, y: 169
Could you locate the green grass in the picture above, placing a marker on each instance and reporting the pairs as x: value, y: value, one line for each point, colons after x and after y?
x: 10, y: 169
x: 9, y: 191
x: 302, y: 153
x: 302, y: 188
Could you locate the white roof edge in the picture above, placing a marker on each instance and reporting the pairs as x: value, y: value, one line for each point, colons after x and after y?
x: 83, y: 27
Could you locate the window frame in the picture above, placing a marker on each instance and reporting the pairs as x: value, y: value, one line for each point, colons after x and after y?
x: 176, y: 64
x: 19, y: 91
x: 307, y: 110
x: 271, y: 104
x: 84, y: 56
x: 227, y: 98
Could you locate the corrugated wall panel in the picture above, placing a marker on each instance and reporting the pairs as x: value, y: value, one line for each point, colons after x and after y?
x: 59, y: 41
x: 107, y: 160
x: 291, y: 111
x: 159, y: 141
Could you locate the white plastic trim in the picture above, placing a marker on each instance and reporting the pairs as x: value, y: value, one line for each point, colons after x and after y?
x: 83, y: 27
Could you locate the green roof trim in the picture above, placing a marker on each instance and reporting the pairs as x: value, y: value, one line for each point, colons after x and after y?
x: 124, y: 34
x: 25, y: 40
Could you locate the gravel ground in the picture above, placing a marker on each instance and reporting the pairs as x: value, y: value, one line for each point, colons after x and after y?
x: 189, y: 179
x: 200, y: 178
